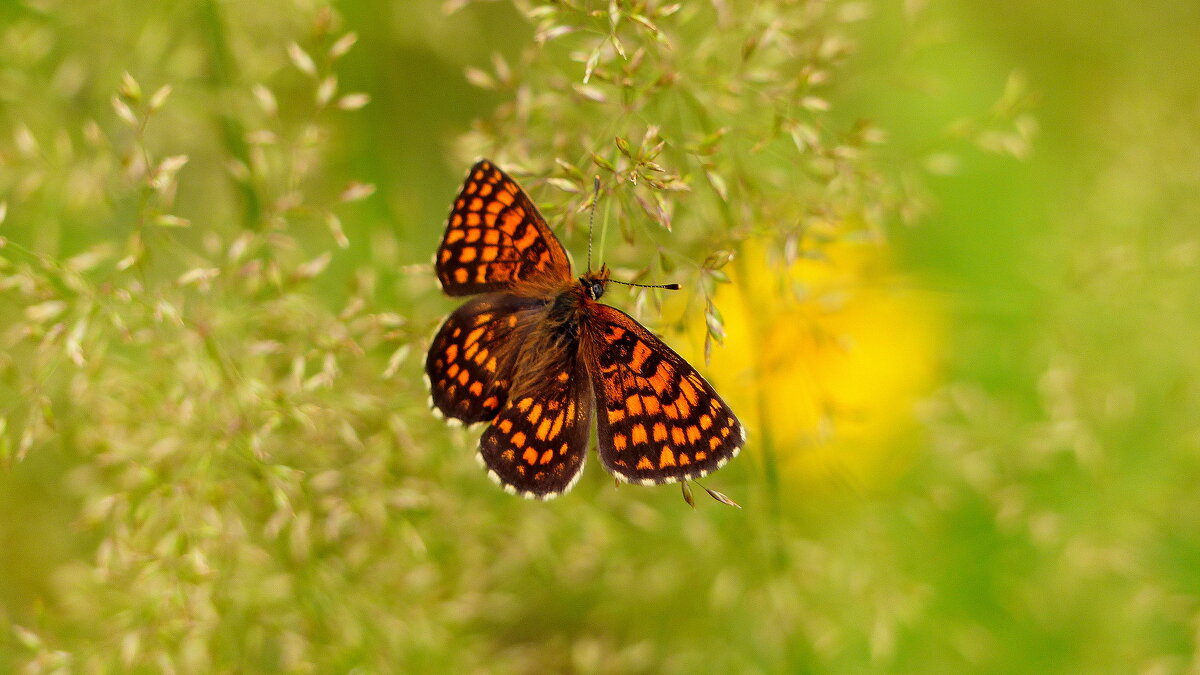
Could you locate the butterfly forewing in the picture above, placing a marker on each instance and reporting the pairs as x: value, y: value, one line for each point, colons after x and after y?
x: 495, y: 237
x: 538, y: 442
x: 470, y: 362
x: 658, y: 420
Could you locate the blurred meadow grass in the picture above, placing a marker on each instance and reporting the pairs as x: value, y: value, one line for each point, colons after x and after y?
x: 941, y: 258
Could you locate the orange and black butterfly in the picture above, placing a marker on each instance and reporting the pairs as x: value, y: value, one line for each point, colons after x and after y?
x: 534, y: 352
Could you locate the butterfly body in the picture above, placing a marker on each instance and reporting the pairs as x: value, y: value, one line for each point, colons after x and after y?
x: 535, y: 352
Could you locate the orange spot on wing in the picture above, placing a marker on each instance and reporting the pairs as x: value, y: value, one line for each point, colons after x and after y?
x: 547, y: 456
x: 689, y: 391
x: 454, y: 235
x: 666, y: 457
x: 464, y: 377
x: 530, y: 456
x: 543, y: 429
x: 619, y: 441
x: 491, y: 402
x: 530, y: 236
x: 506, y: 196
x: 651, y: 404
x: 660, y: 431
x: 644, y: 463
x: 640, y: 353
x: 705, y: 421
x: 702, y: 455
x: 460, y: 275
x: 518, y: 439
x: 693, y: 434
x: 535, y: 414
x: 510, y: 222
x: 639, y: 434
x: 633, y: 404
x: 683, y: 407
x: 615, y: 416
x: 677, y: 435
x: 683, y: 459
x: 476, y: 389
x: 524, y: 404
x: 661, y: 379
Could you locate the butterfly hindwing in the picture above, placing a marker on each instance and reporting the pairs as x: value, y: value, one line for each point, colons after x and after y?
x: 495, y: 237
x: 470, y: 361
x: 538, y: 442
x: 657, y: 419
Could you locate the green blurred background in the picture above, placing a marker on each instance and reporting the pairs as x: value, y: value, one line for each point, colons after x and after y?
x: 215, y: 453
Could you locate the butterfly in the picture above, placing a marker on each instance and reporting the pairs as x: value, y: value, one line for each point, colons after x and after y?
x: 533, y: 354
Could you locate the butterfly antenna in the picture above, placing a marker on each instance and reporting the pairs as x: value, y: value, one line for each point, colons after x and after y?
x: 592, y: 218
x: 669, y: 287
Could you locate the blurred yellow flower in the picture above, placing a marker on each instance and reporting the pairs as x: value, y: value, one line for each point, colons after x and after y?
x: 824, y: 360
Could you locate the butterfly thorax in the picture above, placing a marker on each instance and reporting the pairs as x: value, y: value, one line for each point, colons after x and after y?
x: 568, y: 310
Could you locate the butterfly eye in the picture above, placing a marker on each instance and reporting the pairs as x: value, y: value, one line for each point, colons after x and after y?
x: 597, y: 290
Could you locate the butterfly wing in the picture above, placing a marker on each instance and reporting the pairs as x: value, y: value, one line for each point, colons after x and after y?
x: 538, y: 442
x: 658, y: 420
x: 496, y: 237
x: 470, y: 362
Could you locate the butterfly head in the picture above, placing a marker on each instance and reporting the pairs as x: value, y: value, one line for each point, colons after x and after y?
x: 594, y: 283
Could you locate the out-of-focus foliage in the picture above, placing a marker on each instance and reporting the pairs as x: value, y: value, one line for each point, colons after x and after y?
x: 943, y: 256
